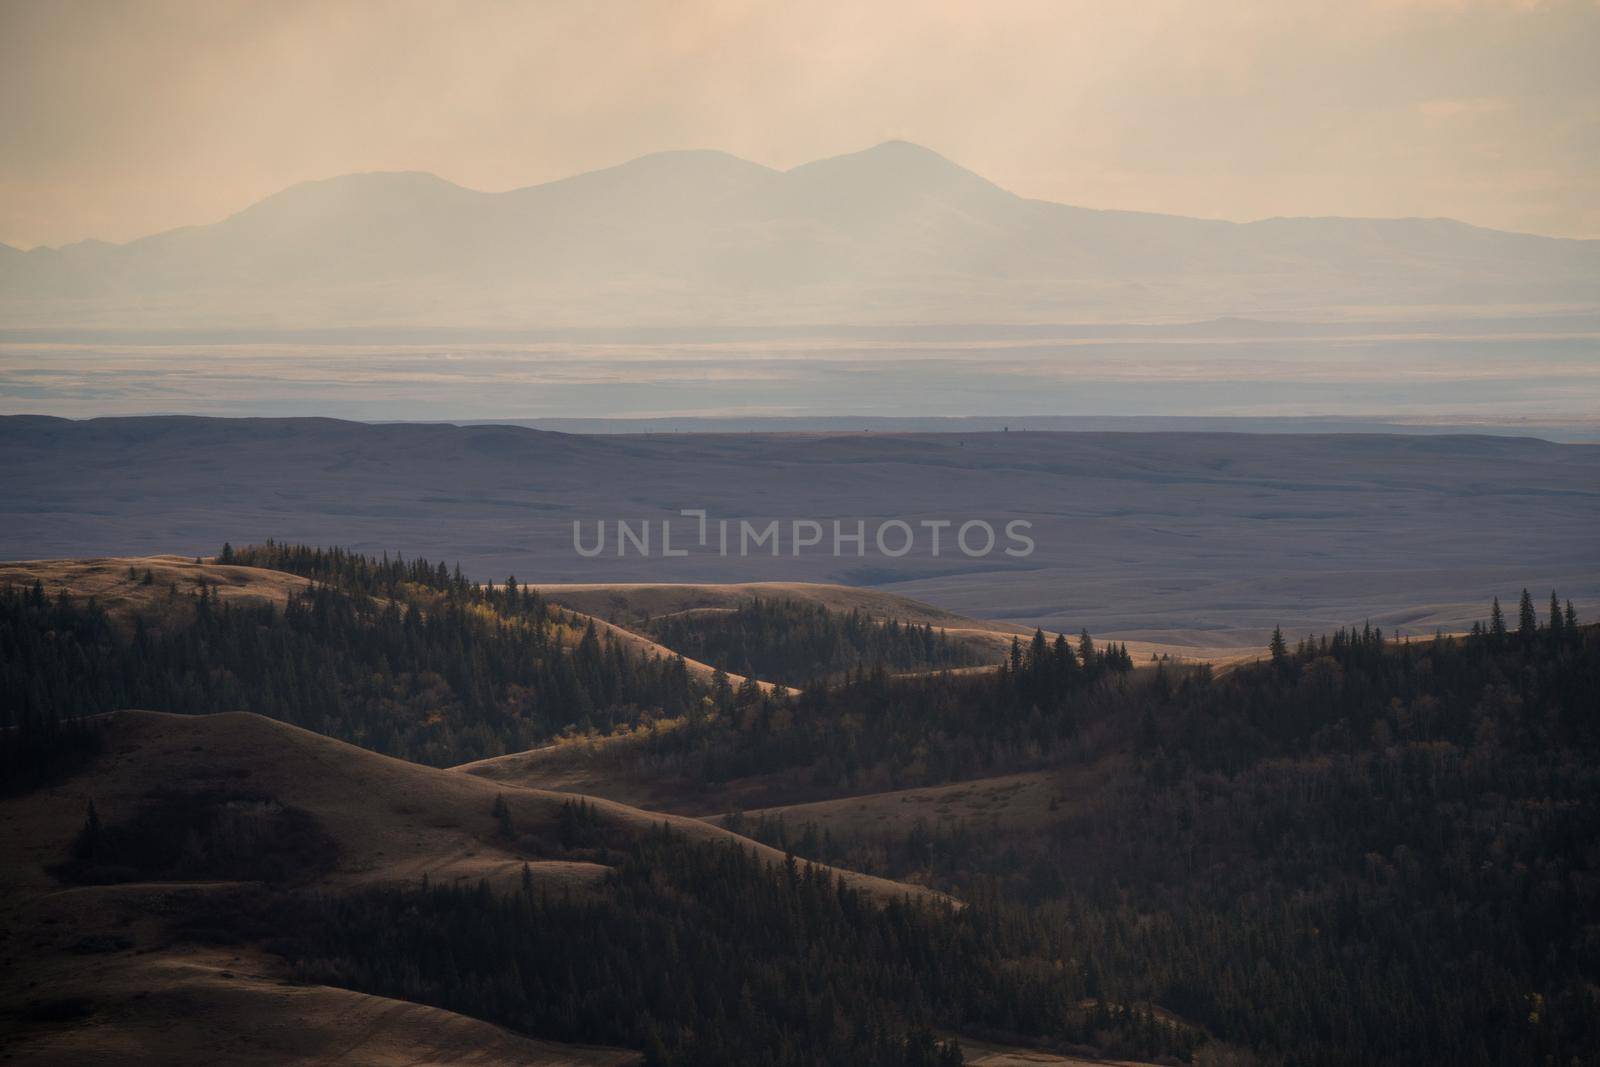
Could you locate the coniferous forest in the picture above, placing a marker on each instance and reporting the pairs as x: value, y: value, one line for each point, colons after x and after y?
x: 704, y: 955
x: 794, y: 643
x: 1356, y: 849
x: 402, y: 658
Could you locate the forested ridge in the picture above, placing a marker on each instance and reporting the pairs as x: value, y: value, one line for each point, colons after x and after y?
x: 791, y: 642
x: 875, y: 731
x: 408, y: 659
x: 704, y: 955
x: 1356, y: 850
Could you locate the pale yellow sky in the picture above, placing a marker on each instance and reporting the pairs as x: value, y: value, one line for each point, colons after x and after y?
x: 122, y: 119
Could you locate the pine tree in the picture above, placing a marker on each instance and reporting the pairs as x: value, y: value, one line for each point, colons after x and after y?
x: 1279, y: 650
x: 1497, y: 622
x: 1527, y: 618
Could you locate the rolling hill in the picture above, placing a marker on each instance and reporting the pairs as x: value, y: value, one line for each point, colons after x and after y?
x: 1132, y: 844
x: 386, y: 819
x: 892, y: 234
x: 104, y: 961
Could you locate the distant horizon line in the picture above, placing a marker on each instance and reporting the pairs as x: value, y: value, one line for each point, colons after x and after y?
x: 1572, y: 428
x: 1574, y: 321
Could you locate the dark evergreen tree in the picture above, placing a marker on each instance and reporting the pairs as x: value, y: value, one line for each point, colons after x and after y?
x: 1527, y: 618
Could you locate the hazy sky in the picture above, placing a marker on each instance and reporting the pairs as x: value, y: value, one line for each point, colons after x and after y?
x: 121, y: 119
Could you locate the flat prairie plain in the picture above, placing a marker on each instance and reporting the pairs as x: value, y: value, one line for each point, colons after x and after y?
x: 1200, y: 541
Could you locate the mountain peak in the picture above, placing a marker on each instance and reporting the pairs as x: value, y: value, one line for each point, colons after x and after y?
x: 898, y: 149
x: 895, y: 168
x: 904, y: 155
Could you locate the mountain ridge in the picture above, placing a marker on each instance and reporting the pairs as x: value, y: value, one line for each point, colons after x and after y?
x: 893, y: 233
x: 652, y: 158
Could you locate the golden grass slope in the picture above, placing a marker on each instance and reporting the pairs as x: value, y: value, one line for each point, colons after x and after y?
x: 137, y: 995
x: 390, y: 819
x: 123, y: 594
x: 628, y: 603
x: 108, y: 581
x: 177, y: 1005
x: 631, y: 600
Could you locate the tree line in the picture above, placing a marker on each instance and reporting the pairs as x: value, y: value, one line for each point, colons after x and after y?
x: 1360, y: 849
x: 433, y: 676
x: 792, y: 642
x: 704, y: 955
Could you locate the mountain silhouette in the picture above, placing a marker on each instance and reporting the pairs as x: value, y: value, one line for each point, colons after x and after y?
x: 893, y: 234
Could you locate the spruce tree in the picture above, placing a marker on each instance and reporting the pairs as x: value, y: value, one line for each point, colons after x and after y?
x: 1527, y: 618
x: 1086, y: 648
x: 1279, y: 650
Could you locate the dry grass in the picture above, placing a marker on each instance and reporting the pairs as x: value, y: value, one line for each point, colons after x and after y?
x: 123, y: 594
x: 631, y: 600
x: 140, y: 998
x: 108, y: 580
x: 390, y: 819
x: 629, y: 603
x: 151, y: 1001
x: 643, y: 645
x: 178, y: 1006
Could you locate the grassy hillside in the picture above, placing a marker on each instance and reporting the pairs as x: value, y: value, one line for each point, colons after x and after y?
x: 1356, y: 849
x: 405, y: 658
x: 561, y: 917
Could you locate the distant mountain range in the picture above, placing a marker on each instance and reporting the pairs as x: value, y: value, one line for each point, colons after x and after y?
x: 893, y: 234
